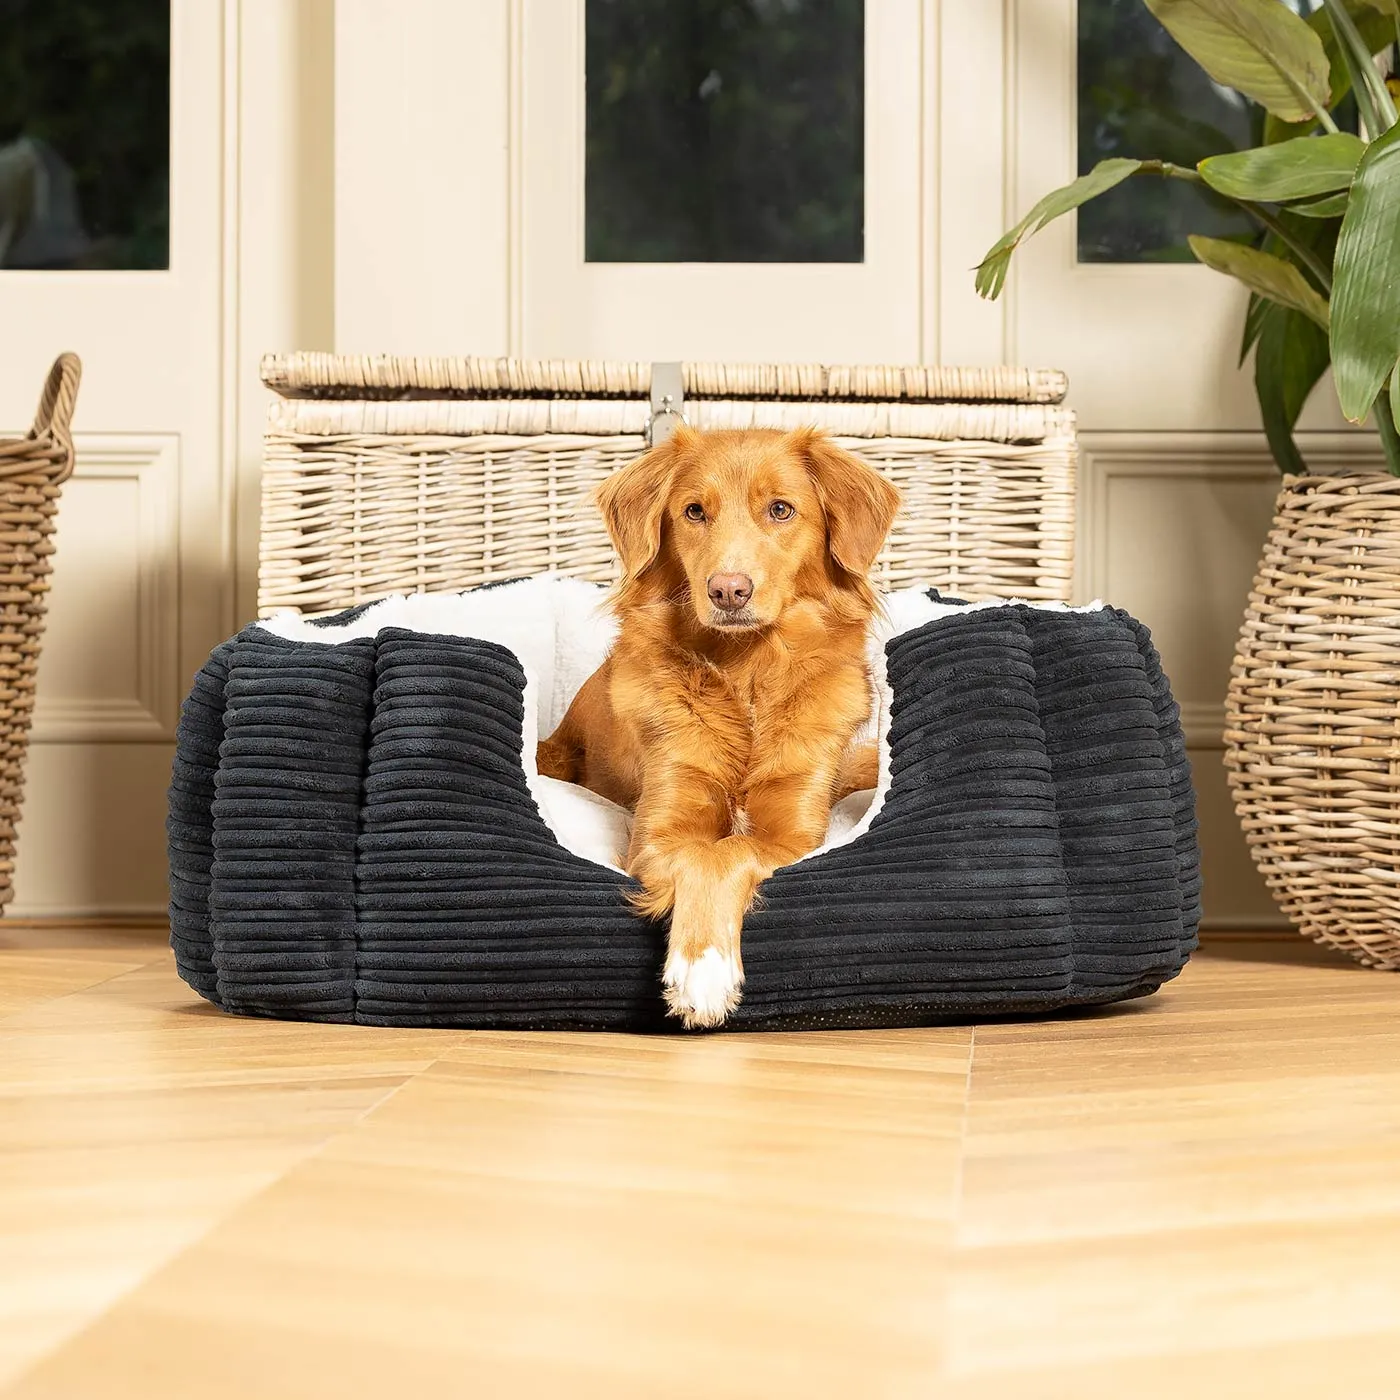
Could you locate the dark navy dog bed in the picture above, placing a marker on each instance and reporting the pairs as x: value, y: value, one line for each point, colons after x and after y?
x: 356, y: 831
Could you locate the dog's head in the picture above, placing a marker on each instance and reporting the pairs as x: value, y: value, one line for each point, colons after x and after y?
x: 747, y: 522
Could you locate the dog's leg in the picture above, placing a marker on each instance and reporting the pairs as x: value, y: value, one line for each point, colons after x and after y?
x: 584, y: 731
x: 704, y: 972
x: 778, y: 835
x: 557, y: 757
x: 713, y: 885
x: 859, y: 770
x: 693, y: 870
x: 706, y: 879
x: 788, y: 800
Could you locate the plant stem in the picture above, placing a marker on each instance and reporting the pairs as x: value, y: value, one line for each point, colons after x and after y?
x: 1170, y: 171
x: 1390, y: 435
x: 1319, y: 111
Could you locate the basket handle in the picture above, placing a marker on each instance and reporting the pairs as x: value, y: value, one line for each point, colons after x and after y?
x: 56, y: 406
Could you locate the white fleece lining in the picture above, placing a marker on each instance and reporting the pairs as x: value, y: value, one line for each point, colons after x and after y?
x: 559, y: 632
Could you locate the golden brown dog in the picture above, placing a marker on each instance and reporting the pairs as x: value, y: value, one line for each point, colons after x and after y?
x: 725, y: 713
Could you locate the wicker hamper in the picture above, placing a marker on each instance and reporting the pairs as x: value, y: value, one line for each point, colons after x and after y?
x: 385, y: 474
x: 32, y: 472
x: 1312, y: 727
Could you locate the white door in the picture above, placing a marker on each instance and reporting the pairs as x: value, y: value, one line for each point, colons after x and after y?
x: 644, y: 209
x: 790, y: 216
x: 129, y: 277
x: 193, y: 137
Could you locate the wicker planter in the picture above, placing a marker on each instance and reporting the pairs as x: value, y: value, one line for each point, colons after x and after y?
x: 1313, y: 716
x: 385, y: 474
x: 32, y: 471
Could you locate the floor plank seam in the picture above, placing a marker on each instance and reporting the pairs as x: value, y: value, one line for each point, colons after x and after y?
x: 15, y: 1384
x: 30, y: 1007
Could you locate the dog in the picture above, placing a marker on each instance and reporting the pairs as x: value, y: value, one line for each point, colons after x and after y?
x: 726, y: 712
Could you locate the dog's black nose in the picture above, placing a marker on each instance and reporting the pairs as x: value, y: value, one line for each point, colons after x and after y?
x: 729, y: 591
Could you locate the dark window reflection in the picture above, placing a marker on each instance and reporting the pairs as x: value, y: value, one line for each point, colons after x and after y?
x: 1140, y: 95
x: 84, y: 133
x: 725, y: 131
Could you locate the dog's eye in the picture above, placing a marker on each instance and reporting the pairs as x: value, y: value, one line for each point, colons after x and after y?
x: 781, y: 510
x: 695, y: 511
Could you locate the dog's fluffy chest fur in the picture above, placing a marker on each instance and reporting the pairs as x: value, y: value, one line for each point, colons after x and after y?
x: 753, y: 697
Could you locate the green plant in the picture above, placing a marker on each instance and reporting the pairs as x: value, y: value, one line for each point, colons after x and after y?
x: 1324, y: 273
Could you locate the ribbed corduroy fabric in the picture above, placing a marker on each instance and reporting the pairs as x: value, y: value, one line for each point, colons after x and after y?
x: 352, y: 837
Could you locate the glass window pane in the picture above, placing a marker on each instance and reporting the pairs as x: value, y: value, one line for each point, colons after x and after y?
x: 725, y: 131
x: 1141, y: 95
x: 84, y: 133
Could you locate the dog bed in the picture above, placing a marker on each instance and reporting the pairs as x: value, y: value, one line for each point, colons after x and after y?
x: 357, y: 831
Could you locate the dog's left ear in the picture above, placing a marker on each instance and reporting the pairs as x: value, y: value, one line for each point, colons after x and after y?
x: 860, y: 505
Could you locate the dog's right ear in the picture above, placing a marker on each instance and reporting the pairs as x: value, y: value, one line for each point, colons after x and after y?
x: 632, y: 502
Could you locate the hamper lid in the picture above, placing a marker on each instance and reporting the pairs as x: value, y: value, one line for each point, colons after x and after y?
x: 306, y: 374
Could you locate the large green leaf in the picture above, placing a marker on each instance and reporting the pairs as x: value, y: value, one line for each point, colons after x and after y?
x: 1366, y: 280
x: 1258, y: 47
x: 1291, y: 357
x: 1378, y: 32
x: 1297, y: 169
x: 991, y: 271
x: 1261, y: 272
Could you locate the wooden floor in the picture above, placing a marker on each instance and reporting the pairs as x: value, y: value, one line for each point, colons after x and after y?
x: 1194, y: 1195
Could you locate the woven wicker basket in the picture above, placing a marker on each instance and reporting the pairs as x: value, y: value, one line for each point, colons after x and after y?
x: 1313, y: 716
x: 32, y: 472
x: 385, y: 475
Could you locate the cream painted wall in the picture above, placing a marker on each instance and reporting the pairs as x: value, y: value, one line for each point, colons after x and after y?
x: 389, y: 178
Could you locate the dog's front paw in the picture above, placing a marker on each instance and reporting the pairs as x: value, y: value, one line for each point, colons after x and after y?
x: 702, y: 989
x: 704, y: 972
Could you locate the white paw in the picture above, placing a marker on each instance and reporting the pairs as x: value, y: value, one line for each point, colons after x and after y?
x: 703, y: 991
